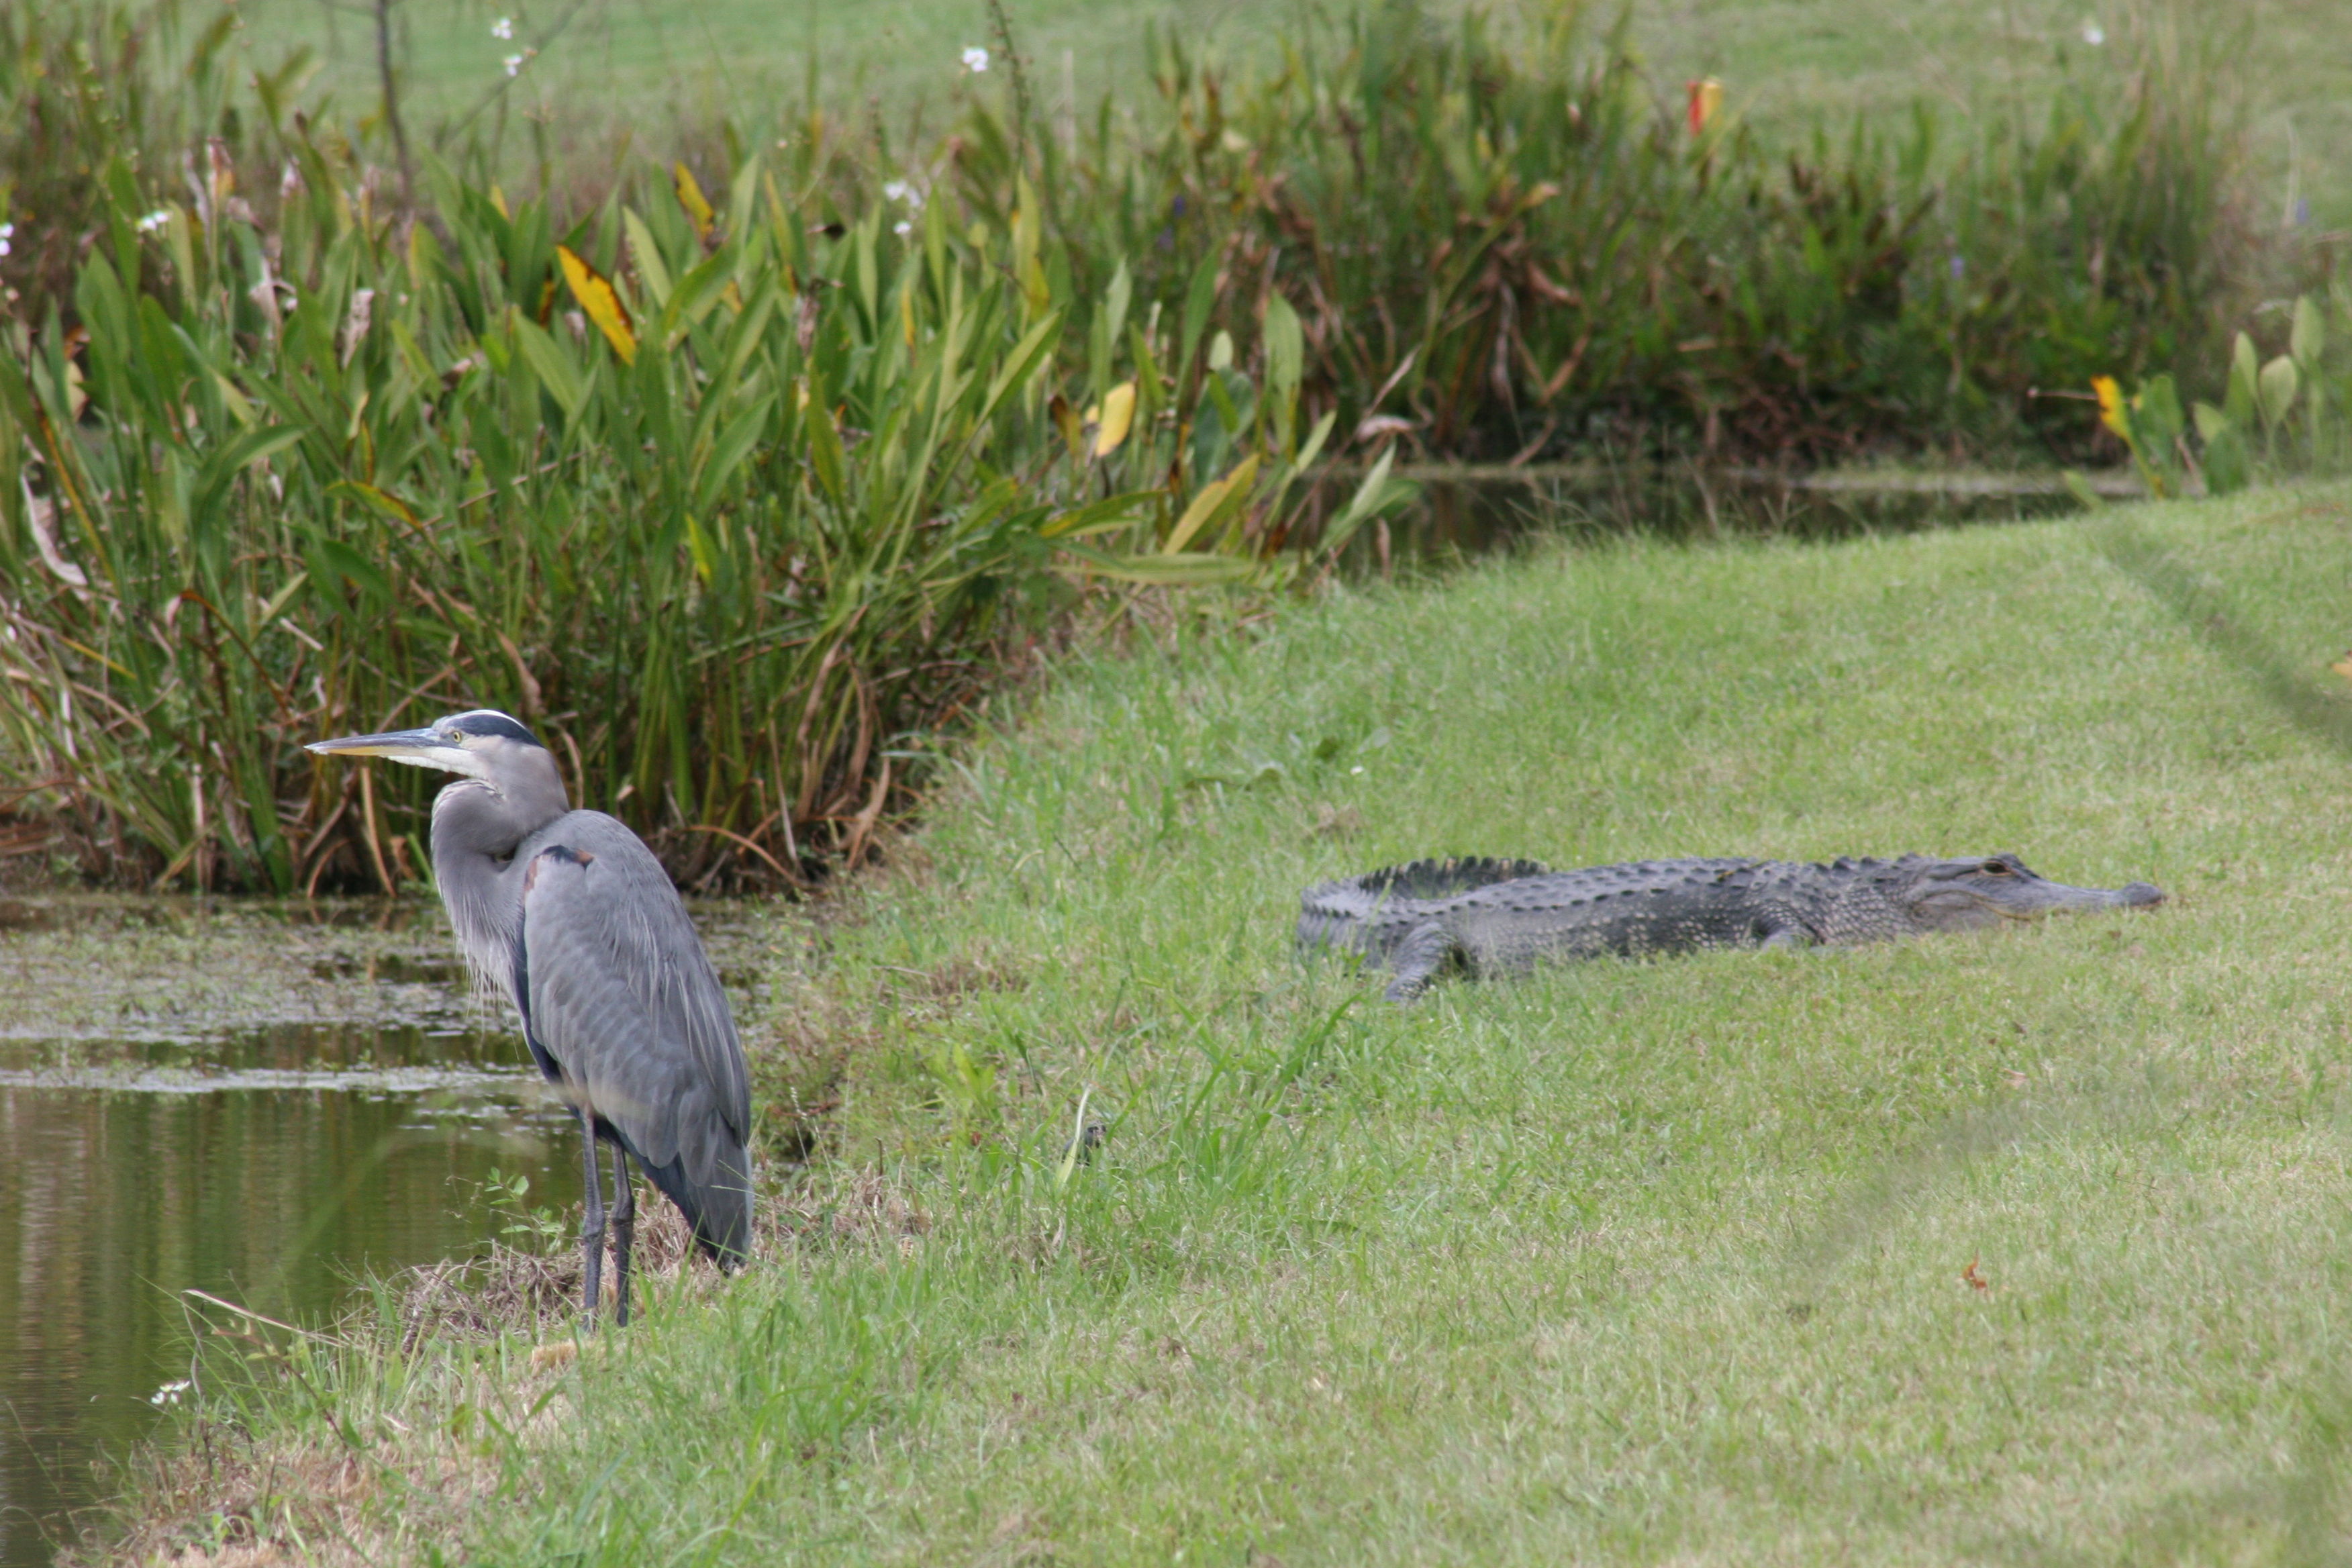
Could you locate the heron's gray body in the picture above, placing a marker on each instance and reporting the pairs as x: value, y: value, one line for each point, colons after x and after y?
x: 602, y: 955
x: 1493, y: 917
x: 567, y: 914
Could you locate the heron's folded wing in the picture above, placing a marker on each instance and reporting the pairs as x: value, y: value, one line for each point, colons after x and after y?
x: 623, y: 998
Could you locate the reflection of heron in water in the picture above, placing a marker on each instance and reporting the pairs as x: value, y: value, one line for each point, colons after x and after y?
x: 569, y: 913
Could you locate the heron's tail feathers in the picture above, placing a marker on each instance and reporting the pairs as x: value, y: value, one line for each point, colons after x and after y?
x: 718, y: 1211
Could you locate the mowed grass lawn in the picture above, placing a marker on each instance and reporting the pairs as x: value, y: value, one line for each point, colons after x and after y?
x: 655, y: 65
x: 2028, y: 1246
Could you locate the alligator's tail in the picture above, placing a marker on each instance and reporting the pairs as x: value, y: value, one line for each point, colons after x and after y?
x: 1336, y: 914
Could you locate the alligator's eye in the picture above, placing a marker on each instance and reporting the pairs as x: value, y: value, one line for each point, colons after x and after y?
x: 1994, y: 868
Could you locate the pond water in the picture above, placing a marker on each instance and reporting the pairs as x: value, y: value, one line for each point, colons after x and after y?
x: 256, y: 1100
x: 1465, y: 510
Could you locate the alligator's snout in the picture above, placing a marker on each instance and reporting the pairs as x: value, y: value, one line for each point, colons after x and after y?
x: 1962, y: 895
x: 2055, y: 896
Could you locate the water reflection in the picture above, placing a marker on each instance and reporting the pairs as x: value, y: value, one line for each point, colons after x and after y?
x: 113, y: 1201
x: 348, y: 1121
x: 1465, y: 511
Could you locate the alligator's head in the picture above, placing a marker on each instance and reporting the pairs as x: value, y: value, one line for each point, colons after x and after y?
x: 1972, y: 895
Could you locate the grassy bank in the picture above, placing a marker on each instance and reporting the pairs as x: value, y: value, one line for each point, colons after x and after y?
x: 2028, y: 1246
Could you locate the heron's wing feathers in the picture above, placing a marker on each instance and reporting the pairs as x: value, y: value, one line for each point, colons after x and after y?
x: 622, y: 996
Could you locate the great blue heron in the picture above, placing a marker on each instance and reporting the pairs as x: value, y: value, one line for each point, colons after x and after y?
x: 569, y: 913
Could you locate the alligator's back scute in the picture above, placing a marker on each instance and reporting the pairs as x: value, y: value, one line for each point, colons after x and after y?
x: 1446, y: 879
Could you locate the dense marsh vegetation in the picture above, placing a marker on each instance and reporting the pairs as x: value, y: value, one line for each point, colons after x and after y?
x: 742, y: 495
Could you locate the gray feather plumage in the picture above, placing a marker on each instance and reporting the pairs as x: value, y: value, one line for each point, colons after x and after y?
x: 567, y: 915
x: 619, y: 992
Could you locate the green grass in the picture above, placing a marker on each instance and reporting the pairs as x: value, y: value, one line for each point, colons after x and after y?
x: 654, y: 64
x: 1629, y: 1262
x: 1787, y: 59
x: 649, y: 63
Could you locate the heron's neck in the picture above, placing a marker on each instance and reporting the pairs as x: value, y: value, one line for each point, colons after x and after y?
x: 476, y: 833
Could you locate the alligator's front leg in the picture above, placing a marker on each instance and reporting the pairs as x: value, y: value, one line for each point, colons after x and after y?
x: 1425, y: 949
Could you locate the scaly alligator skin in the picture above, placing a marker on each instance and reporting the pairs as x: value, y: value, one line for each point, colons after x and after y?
x: 1493, y: 917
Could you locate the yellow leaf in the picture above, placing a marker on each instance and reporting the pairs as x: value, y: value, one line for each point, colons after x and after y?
x: 1117, y: 414
x: 697, y: 205
x: 498, y: 200
x: 603, y: 306
x: 2111, y: 405
x: 2343, y: 666
x: 1209, y: 504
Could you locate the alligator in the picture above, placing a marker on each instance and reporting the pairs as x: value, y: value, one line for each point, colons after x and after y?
x: 1492, y: 917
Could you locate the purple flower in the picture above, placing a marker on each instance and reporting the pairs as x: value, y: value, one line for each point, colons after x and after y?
x: 1959, y: 266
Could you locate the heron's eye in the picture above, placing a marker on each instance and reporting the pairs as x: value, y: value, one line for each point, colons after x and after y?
x: 1994, y: 868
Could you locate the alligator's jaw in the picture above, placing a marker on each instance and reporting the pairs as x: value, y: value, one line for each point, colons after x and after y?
x: 2069, y: 900
x: 2025, y: 902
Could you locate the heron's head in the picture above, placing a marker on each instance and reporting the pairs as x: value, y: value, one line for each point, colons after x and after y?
x: 484, y: 744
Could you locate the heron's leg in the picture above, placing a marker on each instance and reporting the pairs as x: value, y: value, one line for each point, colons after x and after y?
x: 591, y: 1225
x: 625, y: 1228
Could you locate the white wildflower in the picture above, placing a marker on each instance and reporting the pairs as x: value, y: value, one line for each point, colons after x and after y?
x: 514, y: 64
x: 975, y: 59
x: 2093, y: 35
x: 170, y: 1392
x: 156, y: 221
x: 902, y: 227
x: 7, y: 232
x: 503, y: 28
x: 896, y: 190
